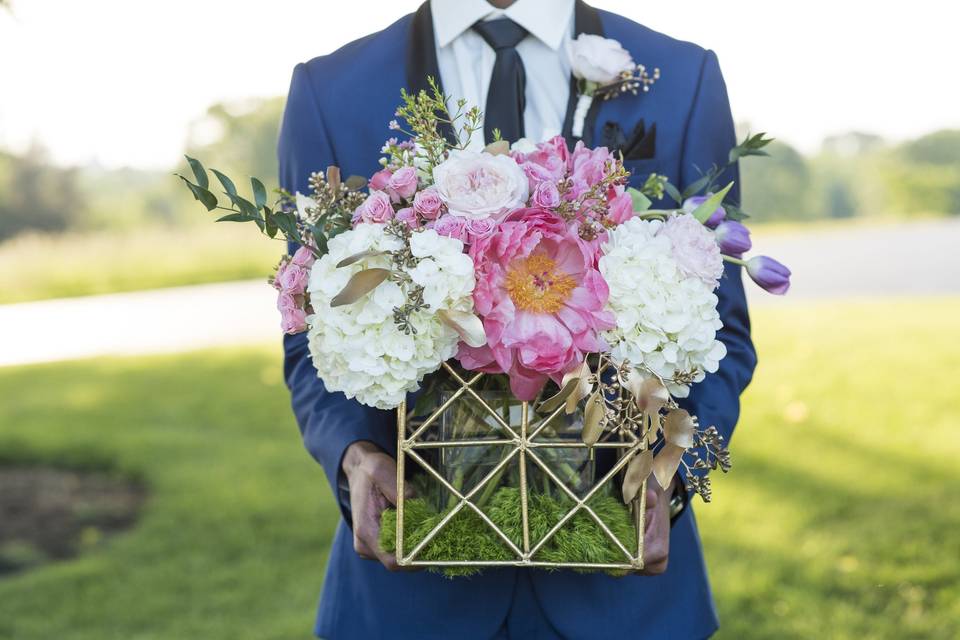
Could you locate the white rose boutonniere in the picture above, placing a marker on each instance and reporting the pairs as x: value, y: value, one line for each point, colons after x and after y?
x: 604, y: 68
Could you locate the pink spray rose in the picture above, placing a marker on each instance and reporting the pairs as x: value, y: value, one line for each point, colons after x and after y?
x: 292, y: 279
x: 546, y: 196
x: 380, y: 180
x: 303, y: 257
x: 480, y: 228
x: 409, y: 217
x: 427, y: 203
x: 452, y: 227
x: 402, y: 184
x: 377, y: 208
x: 293, y: 319
x: 541, y: 299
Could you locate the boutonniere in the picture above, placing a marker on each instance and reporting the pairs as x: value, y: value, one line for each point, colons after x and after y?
x: 604, y: 69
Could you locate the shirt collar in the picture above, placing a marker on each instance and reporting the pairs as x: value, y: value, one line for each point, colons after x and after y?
x: 546, y: 20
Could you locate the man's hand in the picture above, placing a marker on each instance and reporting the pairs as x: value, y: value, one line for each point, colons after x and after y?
x: 372, y: 475
x: 656, y: 534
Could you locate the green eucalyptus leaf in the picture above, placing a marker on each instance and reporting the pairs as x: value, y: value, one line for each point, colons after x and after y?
x: 205, y: 198
x: 234, y: 217
x: 703, y: 212
x: 259, y: 193
x: 271, y: 224
x: 695, y: 187
x: 199, y: 172
x: 227, y: 183
x: 673, y: 192
x: 640, y: 201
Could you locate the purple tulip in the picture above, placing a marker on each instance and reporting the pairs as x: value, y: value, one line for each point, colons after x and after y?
x: 769, y: 274
x: 690, y: 205
x: 733, y: 238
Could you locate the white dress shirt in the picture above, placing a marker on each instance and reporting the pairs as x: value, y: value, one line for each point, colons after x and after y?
x: 466, y: 60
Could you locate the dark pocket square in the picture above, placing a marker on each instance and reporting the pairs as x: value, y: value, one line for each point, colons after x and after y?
x: 641, y: 145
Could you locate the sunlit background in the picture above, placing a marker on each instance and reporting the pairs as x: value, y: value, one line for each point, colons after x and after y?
x: 152, y: 483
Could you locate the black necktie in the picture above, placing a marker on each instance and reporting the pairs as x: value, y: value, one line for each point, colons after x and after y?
x: 505, y: 97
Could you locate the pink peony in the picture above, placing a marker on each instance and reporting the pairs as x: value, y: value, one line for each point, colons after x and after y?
x: 589, y: 166
x: 546, y: 196
x: 621, y: 207
x: 377, y: 208
x: 536, y: 174
x: 428, y: 203
x: 402, y: 184
x: 541, y: 299
x: 380, y: 180
x: 694, y: 248
x: 293, y: 319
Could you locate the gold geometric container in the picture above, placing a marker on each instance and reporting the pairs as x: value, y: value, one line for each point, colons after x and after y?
x: 521, y: 434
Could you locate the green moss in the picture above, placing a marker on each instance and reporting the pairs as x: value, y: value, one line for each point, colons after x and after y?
x: 467, y: 537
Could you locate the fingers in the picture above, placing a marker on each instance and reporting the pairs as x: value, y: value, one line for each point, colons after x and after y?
x: 656, y: 537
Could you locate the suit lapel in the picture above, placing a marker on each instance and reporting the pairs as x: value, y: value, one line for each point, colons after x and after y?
x: 422, y: 57
x: 585, y: 20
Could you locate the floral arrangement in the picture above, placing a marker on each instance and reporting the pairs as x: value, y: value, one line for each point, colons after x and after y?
x: 529, y: 261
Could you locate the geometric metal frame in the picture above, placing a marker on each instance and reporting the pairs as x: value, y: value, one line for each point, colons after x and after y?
x: 524, y: 445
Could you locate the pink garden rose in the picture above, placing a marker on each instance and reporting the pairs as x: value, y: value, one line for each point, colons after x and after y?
x: 293, y: 318
x: 377, y: 208
x: 380, y: 180
x: 402, y: 184
x: 541, y: 299
x: 694, y: 248
x: 480, y: 185
x: 427, y: 203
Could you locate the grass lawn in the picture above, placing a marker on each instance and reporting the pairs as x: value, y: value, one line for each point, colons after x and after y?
x: 839, y: 519
x: 78, y: 264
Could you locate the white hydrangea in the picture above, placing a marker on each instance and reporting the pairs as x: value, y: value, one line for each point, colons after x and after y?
x: 358, y: 348
x: 667, y: 321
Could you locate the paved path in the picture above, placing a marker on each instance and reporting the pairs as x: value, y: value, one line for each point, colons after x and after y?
x: 896, y: 260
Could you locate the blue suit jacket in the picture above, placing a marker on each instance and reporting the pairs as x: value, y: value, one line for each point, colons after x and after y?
x: 336, y: 113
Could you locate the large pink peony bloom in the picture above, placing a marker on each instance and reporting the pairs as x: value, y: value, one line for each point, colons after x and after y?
x: 541, y: 299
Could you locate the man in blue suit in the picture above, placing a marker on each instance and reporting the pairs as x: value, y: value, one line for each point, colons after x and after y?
x: 511, y: 58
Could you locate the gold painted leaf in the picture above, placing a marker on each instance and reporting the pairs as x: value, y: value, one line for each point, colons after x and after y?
x: 551, y: 404
x: 333, y: 177
x: 638, y: 470
x: 357, y: 257
x: 666, y: 463
x: 584, y: 388
x: 678, y: 428
x: 355, y: 183
x: 500, y: 147
x: 593, y: 419
x: 467, y: 325
x: 648, y: 393
x: 360, y: 284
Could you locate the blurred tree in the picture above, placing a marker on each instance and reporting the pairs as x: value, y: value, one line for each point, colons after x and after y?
x: 778, y: 187
x: 939, y: 148
x: 35, y: 195
x: 239, y: 138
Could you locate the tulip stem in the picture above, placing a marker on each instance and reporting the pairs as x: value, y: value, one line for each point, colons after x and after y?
x: 738, y: 261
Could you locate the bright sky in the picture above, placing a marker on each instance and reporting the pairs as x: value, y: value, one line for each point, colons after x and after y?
x: 118, y: 81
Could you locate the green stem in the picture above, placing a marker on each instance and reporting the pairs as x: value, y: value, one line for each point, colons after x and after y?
x: 738, y: 261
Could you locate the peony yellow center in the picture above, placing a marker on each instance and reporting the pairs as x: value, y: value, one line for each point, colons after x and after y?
x: 535, y: 284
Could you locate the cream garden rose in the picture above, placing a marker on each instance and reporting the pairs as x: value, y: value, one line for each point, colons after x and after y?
x: 598, y: 59
x: 480, y: 185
